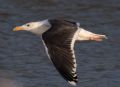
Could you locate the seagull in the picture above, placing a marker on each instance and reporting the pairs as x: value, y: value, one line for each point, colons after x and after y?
x: 59, y: 37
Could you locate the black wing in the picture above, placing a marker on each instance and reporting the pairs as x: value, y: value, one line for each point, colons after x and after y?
x: 58, y: 41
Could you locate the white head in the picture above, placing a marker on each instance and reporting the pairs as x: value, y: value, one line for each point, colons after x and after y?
x: 35, y: 27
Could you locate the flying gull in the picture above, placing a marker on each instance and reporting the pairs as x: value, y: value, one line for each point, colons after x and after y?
x: 58, y: 37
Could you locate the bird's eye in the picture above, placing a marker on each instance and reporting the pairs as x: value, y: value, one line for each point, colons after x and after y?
x: 28, y: 25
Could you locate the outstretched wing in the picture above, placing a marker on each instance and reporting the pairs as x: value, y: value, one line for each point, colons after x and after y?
x: 59, y: 45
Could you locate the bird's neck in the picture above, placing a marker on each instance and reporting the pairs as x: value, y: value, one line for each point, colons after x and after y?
x: 43, y: 28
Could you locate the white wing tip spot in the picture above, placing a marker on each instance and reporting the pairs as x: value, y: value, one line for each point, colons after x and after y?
x: 72, y: 83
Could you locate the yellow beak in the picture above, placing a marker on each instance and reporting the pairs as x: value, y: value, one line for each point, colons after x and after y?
x: 18, y: 28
